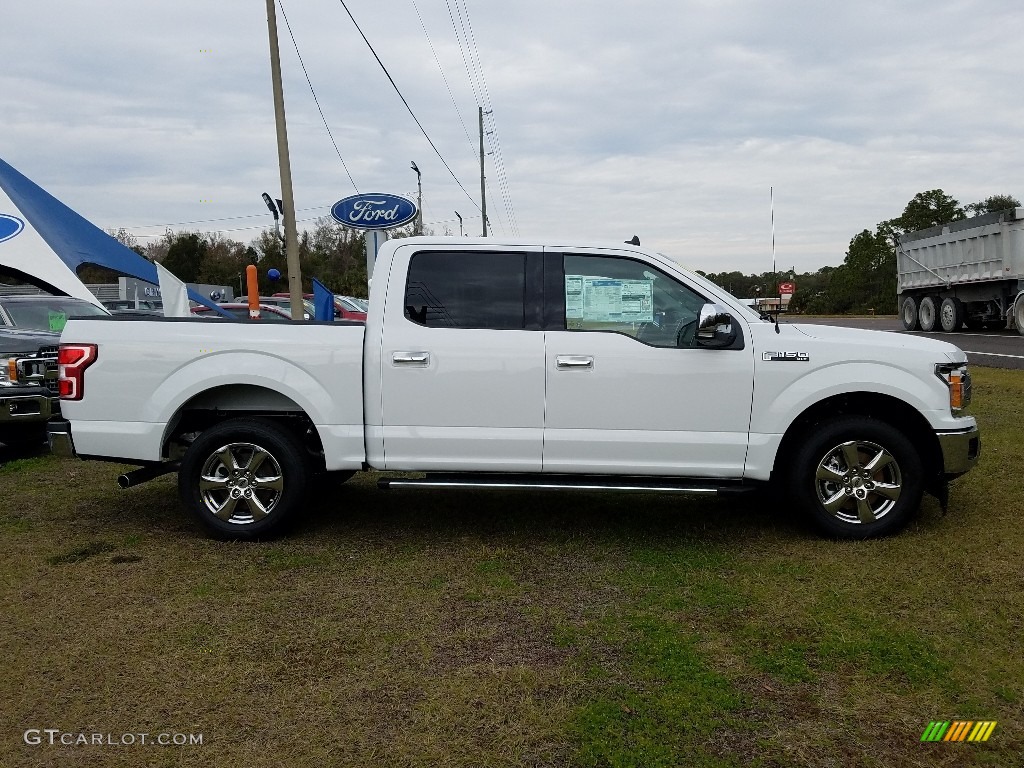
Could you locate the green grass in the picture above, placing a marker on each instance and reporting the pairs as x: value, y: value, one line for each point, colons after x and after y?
x: 472, y: 629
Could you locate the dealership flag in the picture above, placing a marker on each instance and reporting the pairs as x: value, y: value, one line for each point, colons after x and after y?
x: 173, y: 293
x: 323, y: 301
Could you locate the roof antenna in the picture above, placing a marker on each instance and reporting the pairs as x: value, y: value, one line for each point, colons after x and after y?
x: 775, y: 276
x: 634, y: 241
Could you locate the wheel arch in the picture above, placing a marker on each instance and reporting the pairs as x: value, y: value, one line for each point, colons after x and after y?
x: 227, y: 401
x: 874, y: 405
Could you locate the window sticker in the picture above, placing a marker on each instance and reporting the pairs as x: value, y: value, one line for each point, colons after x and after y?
x: 57, y: 320
x: 608, y: 300
x: 573, y: 297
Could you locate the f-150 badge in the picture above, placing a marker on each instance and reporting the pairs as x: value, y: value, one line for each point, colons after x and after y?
x: 785, y: 357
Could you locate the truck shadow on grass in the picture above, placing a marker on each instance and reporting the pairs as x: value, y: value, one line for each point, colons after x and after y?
x: 360, y: 507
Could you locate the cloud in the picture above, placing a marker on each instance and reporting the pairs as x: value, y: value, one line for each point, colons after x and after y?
x: 666, y: 119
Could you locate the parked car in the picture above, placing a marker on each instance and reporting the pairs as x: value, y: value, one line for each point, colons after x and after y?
x: 285, y: 302
x: 30, y: 329
x: 44, y: 313
x: 354, y: 308
x: 268, y: 312
x: 121, y: 305
x: 345, y: 307
x: 28, y: 384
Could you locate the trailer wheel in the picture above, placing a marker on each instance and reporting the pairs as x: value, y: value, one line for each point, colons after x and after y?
x: 951, y: 314
x: 928, y: 313
x: 243, y: 478
x: 1018, y: 314
x: 908, y: 313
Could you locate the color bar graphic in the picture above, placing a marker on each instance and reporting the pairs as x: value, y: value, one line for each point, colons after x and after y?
x: 958, y: 730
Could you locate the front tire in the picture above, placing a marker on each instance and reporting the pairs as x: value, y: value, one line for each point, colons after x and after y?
x: 857, y: 478
x: 244, y: 478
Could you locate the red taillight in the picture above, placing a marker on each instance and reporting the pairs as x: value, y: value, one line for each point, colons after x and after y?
x: 72, y: 360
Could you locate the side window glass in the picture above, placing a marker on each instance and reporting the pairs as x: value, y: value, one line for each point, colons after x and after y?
x: 467, y: 290
x: 605, y: 293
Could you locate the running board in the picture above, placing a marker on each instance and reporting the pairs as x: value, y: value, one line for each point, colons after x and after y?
x: 569, y: 482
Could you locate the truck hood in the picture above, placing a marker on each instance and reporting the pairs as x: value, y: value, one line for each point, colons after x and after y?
x: 882, y: 339
x: 18, y: 340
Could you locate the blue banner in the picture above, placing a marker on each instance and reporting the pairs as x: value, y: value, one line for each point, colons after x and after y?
x: 323, y: 301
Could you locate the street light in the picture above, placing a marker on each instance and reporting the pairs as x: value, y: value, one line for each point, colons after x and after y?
x: 273, y: 209
x: 418, y: 229
x: 460, y: 222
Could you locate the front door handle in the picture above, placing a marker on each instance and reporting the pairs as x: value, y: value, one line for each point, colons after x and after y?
x: 411, y: 358
x: 566, y: 362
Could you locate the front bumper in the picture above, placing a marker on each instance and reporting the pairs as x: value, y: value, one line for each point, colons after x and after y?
x: 59, y: 437
x: 960, y: 450
x: 19, y: 405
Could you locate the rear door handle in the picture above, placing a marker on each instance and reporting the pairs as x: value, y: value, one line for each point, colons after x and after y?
x: 566, y: 362
x: 411, y: 358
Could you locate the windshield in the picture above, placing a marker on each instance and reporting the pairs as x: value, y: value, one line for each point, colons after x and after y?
x: 49, y: 313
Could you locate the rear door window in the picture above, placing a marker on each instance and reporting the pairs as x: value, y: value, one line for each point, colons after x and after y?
x: 466, y: 289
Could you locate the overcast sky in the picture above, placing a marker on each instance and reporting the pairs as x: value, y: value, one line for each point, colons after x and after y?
x: 670, y: 119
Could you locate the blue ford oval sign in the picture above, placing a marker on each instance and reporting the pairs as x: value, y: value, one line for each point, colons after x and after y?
x: 374, y: 211
x: 10, y: 226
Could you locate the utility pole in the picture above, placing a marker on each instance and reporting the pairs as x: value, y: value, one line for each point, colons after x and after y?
x: 290, y: 237
x: 483, y: 190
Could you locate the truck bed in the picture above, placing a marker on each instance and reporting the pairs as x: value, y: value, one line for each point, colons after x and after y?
x: 147, y: 370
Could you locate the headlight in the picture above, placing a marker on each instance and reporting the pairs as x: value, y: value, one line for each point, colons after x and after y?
x: 8, y: 370
x: 958, y: 379
x: 21, y: 368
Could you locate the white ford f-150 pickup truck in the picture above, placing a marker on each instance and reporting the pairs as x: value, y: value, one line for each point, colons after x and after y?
x: 499, y: 363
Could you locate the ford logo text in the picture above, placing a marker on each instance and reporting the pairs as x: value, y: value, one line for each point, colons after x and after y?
x: 376, y: 211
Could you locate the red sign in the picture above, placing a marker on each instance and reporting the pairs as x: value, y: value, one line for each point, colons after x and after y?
x: 787, y: 289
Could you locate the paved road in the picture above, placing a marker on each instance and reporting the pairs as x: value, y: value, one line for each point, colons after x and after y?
x: 996, y: 349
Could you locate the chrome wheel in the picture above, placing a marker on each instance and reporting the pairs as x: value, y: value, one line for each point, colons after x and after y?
x: 858, y: 482
x: 241, y: 483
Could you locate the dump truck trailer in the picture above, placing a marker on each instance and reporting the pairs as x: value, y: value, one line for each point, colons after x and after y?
x: 968, y: 272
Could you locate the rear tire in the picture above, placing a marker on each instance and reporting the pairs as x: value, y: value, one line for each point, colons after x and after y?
x: 1018, y: 314
x: 908, y: 314
x: 928, y: 313
x: 951, y: 314
x: 244, y: 478
x: 856, y: 478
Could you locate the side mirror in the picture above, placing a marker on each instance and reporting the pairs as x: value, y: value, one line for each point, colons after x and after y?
x: 716, y: 328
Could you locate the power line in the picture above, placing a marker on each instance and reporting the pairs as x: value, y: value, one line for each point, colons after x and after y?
x: 315, y: 99
x: 443, y: 76
x: 478, y: 82
x: 406, y: 103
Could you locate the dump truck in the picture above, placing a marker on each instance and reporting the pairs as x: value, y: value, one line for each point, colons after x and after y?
x: 964, y: 273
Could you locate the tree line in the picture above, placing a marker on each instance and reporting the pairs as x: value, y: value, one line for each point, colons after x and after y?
x: 331, y: 253
x: 866, y: 280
